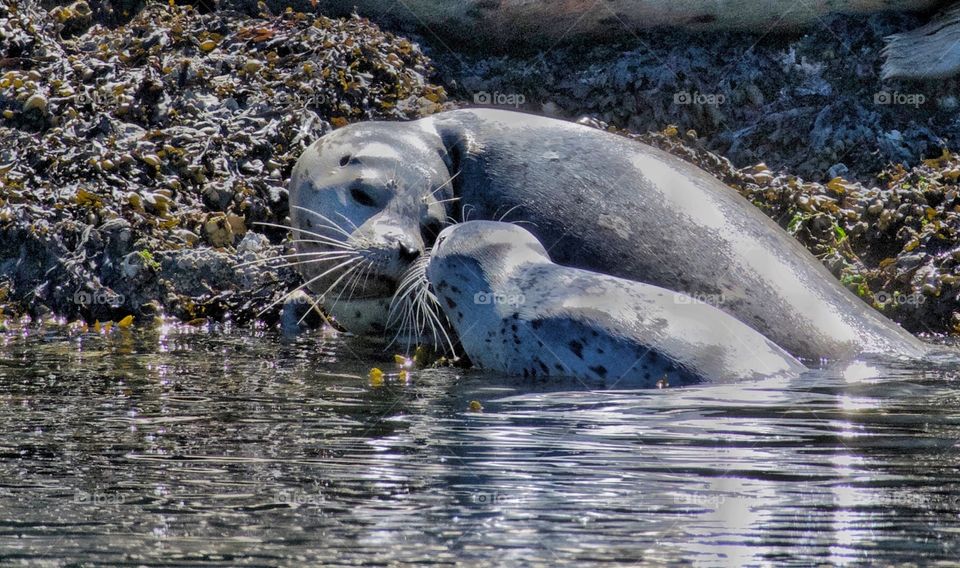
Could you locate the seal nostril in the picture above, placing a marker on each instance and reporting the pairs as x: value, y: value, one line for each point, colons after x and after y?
x: 408, y: 253
x: 362, y: 197
x: 430, y: 230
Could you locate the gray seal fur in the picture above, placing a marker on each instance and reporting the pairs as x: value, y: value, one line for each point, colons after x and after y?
x: 596, y: 200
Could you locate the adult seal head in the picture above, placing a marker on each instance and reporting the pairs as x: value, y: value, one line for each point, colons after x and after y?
x: 372, y: 196
x: 517, y: 312
x: 366, y: 201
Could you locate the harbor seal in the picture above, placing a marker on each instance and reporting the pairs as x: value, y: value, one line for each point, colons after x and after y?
x: 517, y: 312
x: 368, y: 199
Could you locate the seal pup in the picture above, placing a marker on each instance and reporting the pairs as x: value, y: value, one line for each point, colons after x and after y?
x: 517, y: 312
x: 368, y: 199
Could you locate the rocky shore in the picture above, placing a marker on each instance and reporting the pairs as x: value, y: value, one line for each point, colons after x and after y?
x: 137, y: 162
x: 144, y: 156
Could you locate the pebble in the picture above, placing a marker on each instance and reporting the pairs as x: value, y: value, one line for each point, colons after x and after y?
x: 36, y: 101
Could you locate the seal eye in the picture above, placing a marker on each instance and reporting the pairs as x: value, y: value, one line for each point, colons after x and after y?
x: 361, y: 197
x: 345, y: 160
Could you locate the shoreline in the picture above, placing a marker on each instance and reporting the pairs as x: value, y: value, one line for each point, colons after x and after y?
x: 140, y: 196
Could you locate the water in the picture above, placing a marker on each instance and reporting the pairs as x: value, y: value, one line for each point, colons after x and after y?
x: 184, y: 446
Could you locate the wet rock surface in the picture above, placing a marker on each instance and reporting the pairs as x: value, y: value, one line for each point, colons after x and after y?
x: 140, y: 151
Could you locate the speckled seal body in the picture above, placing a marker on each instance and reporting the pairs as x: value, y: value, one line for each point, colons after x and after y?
x: 596, y: 201
x: 517, y: 312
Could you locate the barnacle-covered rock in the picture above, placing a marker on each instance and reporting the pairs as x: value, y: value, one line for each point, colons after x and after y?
x: 184, y: 127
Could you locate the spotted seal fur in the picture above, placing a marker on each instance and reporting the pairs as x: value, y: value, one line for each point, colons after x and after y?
x: 517, y: 312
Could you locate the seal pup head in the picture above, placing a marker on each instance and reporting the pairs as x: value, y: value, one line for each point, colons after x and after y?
x: 470, y: 267
x: 493, y: 248
x: 515, y: 311
x: 366, y: 202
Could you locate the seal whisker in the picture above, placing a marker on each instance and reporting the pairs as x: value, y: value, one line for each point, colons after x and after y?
x: 307, y: 262
x: 347, y: 219
x: 367, y: 277
x: 324, y: 239
x: 400, y: 308
x: 319, y: 298
x: 465, y: 212
x: 286, y: 296
x: 331, y: 244
x: 352, y: 283
x: 314, y: 256
x: 404, y: 325
x: 400, y: 301
x: 337, y: 281
x: 293, y: 229
x: 413, y: 274
x: 364, y: 273
x: 443, y: 185
x: 338, y: 232
x: 519, y: 221
x: 327, y: 224
x: 432, y: 309
x: 332, y: 224
x: 509, y: 211
x: 315, y: 305
x: 415, y: 308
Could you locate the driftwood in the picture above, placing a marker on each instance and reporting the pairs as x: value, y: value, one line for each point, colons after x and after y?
x: 928, y: 52
x: 932, y: 51
x: 492, y: 24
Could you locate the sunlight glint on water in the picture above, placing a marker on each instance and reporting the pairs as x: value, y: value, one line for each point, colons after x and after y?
x: 185, y: 445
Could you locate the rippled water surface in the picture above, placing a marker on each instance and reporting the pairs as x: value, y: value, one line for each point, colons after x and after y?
x: 175, y: 447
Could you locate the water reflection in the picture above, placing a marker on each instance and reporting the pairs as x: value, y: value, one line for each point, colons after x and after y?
x: 197, y: 446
